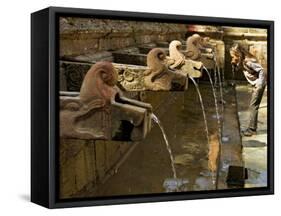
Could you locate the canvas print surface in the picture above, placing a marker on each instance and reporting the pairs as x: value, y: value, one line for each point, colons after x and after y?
x: 152, y: 107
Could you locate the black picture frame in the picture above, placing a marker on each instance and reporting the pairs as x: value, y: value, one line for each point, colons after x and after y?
x: 44, y: 106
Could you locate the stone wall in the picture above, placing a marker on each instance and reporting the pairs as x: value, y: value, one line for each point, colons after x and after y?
x: 79, y: 36
x: 85, y: 164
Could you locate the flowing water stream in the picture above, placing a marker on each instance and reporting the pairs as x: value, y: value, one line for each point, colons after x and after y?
x: 215, y: 96
x: 157, y: 121
x: 215, y: 178
x: 203, y: 109
x: 220, y: 87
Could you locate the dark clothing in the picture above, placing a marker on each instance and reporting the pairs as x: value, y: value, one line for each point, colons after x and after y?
x: 256, y: 76
x: 254, y: 106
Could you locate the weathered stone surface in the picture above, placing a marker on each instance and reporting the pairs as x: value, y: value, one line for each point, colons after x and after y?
x: 113, y: 154
x: 72, y: 75
x: 100, y: 148
x: 215, y: 32
x: 115, y: 43
x: 90, y: 57
x: 81, y: 36
x: 129, y: 58
x: 88, y: 164
x: 245, y: 33
x: 156, y: 98
x: 184, y: 159
x: 77, y: 166
x: 70, y: 47
x: 241, y: 30
x: 145, y: 49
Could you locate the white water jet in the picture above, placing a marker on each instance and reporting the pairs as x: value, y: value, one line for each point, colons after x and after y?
x: 203, y: 109
x: 157, y: 121
x: 215, y: 178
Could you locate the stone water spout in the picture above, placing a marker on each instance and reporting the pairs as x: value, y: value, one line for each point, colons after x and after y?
x: 203, y: 49
x: 177, y: 61
x: 158, y: 76
x: 92, y: 114
x: 198, y: 47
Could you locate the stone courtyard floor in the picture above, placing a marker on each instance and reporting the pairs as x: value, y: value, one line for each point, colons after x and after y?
x: 254, y: 147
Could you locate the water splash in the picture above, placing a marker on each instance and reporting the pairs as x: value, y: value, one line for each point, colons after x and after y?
x: 157, y: 121
x: 173, y: 185
x: 203, y: 108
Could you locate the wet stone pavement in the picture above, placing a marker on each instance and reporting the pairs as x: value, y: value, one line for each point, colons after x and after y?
x: 231, y: 149
x: 254, y: 147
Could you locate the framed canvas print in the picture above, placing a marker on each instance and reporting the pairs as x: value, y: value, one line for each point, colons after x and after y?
x: 138, y: 107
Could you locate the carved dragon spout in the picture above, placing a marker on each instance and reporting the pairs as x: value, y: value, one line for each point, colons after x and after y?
x: 158, y: 76
x: 88, y: 115
x: 178, y: 61
x: 196, y: 46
